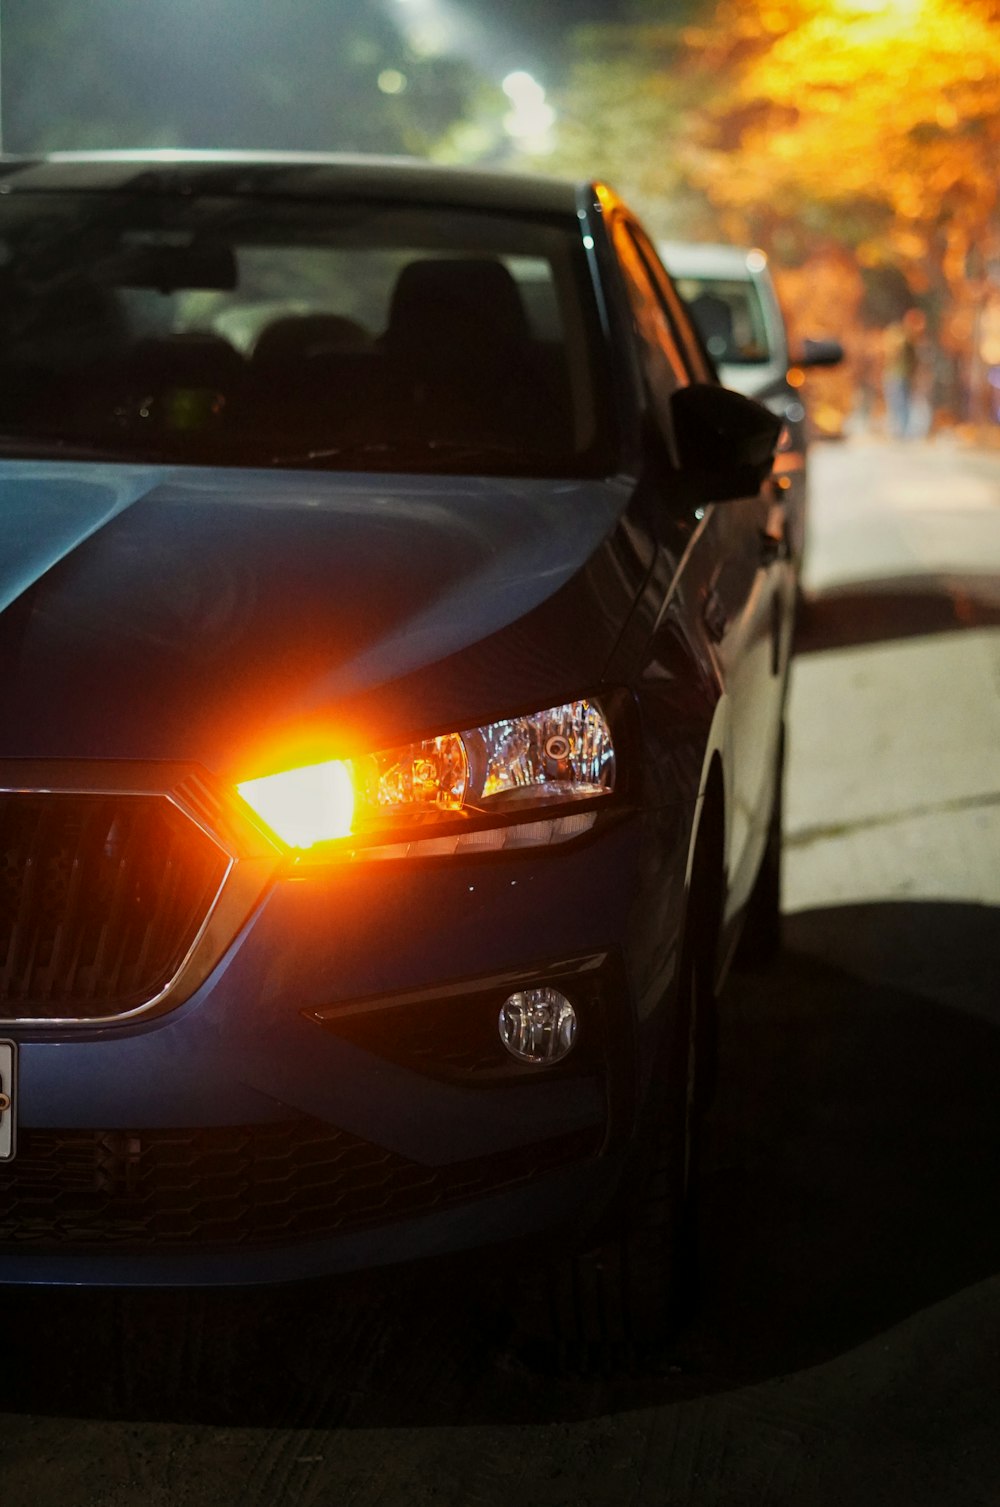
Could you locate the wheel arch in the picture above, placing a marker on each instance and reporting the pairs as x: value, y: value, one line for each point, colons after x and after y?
x: 706, y: 875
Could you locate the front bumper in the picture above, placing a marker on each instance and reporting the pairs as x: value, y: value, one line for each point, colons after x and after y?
x: 237, y: 1138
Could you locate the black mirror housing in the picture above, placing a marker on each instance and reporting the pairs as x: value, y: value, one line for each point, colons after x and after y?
x: 725, y: 442
x: 819, y: 353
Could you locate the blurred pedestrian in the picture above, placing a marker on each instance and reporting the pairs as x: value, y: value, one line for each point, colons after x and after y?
x: 867, y: 353
x: 905, y: 405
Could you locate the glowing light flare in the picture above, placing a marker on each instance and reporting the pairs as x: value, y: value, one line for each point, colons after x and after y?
x: 522, y: 88
x: 795, y: 376
x: 304, y: 806
x: 531, y: 117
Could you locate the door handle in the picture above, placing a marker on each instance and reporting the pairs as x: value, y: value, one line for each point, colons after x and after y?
x: 772, y: 546
x: 715, y: 616
x: 773, y: 537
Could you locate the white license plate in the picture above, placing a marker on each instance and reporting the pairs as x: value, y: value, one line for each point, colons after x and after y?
x: 8, y: 1098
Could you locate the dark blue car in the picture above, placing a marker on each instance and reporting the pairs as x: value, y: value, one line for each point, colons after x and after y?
x: 394, y: 626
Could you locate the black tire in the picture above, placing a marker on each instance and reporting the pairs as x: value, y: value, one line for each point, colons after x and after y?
x: 760, y: 939
x: 613, y: 1305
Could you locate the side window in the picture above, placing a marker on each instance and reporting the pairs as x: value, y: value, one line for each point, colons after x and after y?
x: 681, y: 323
x: 663, y: 363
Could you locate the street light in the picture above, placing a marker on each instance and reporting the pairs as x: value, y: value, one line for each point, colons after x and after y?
x: 531, y: 117
x: 432, y: 27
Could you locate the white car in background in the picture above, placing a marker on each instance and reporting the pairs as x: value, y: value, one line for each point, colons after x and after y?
x: 730, y: 292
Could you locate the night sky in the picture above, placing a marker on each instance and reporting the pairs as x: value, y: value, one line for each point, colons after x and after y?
x: 541, y: 26
x: 258, y: 73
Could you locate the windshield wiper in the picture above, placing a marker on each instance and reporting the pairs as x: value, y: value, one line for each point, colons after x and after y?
x: 46, y: 447
x: 419, y: 452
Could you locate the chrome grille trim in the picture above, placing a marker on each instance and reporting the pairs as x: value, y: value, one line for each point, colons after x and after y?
x: 157, y: 797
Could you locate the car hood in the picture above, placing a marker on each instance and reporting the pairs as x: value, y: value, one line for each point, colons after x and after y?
x: 177, y: 613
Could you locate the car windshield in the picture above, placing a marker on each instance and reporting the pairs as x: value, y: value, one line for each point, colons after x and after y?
x: 729, y: 314
x: 241, y: 331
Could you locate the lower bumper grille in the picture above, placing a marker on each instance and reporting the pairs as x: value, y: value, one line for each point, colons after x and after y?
x: 251, y: 1185
x: 101, y: 897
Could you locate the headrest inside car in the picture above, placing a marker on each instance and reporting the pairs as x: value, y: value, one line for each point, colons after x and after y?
x: 307, y: 337
x: 445, y: 303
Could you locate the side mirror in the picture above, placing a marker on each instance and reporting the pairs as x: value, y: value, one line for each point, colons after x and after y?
x: 819, y: 353
x: 725, y: 442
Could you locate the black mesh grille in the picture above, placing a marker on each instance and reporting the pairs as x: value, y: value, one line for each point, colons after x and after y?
x: 241, y: 1185
x: 100, y: 898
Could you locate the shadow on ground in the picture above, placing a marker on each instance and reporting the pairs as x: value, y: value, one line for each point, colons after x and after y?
x: 850, y: 1181
x: 896, y: 607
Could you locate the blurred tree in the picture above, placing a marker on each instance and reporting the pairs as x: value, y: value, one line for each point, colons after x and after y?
x: 629, y: 111
x: 871, y: 123
x: 811, y: 127
x: 886, y: 113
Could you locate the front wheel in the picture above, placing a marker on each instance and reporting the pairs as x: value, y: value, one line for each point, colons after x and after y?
x: 616, y: 1302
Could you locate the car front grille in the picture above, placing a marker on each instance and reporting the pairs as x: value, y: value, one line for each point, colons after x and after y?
x: 249, y: 1185
x: 101, y: 897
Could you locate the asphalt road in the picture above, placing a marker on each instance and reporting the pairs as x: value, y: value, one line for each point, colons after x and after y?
x: 846, y: 1345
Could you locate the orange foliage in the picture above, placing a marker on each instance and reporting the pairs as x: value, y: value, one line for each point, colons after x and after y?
x: 874, y: 123
x: 889, y: 104
x: 831, y: 132
x: 820, y: 299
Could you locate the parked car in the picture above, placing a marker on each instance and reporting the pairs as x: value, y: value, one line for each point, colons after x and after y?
x: 391, y: 753
x: 731, y: 294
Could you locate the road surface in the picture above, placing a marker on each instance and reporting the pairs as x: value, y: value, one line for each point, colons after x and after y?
x: 846, y: 1345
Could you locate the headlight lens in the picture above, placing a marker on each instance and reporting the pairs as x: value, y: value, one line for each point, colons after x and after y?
x: 561, y: 755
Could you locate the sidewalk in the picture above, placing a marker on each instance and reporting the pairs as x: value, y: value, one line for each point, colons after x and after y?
x: 894, y: 767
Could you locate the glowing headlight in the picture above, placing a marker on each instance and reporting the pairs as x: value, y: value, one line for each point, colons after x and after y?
x: 305, y: 806
x: 549, y: 758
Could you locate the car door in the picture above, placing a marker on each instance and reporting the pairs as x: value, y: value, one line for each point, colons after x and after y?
x: 738, y: 562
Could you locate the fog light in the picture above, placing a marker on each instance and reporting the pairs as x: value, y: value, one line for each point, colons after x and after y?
x: 538, y: 1025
